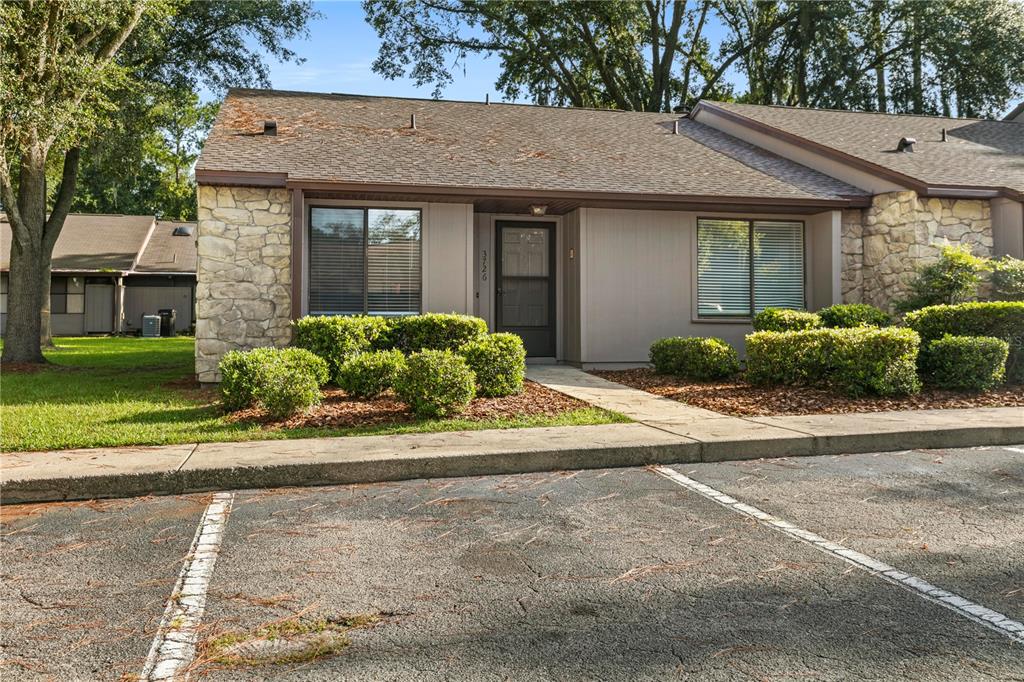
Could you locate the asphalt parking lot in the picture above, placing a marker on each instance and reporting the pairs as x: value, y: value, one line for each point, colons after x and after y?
x: 618, y: 574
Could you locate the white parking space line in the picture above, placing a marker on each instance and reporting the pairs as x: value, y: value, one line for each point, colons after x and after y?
x: 954, y: 602
x: 174, y: 645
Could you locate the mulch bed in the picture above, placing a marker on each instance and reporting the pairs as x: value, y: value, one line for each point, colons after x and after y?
x: 738, y: 398
x: 339, y: 410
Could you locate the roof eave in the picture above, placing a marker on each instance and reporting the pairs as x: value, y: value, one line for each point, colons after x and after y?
x: 209, y: 177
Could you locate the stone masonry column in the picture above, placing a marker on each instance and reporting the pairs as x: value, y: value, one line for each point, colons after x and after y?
x: 243, y: 289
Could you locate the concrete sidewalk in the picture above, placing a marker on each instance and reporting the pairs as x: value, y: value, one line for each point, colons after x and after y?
x: 665, y: 432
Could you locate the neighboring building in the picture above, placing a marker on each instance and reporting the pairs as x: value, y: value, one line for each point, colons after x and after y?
x: 1017, y: 114
x: 591, y: 233
x: 110, y: 270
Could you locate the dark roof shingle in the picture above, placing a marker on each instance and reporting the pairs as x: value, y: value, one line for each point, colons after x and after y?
x: 977, y: 153
x: 111, y: 243
x: 357, y: 139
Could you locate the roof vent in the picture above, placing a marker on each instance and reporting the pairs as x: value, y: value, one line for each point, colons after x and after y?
x: 675, y: 127
x: 182, y: 231
x: 906, y: 144
x: 944, y: 135
x: 412, y: 121
x: 270, y: 127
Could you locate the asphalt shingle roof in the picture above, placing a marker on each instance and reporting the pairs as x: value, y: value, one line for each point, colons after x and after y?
x: 110, y: 243
x: 359, y: 139
x: 167, y: 252
x: 977, y: 153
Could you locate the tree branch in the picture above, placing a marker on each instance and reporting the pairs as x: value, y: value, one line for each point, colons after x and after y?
x: 65, y: 195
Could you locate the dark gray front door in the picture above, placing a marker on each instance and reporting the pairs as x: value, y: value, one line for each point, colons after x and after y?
x: 525, y: 294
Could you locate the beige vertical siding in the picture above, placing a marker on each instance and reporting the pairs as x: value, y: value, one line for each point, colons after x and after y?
x: 1007, y: 228
x: 823, y: 259
x: 569, y: 265
x: 448, y: 277
x: 637, y: 280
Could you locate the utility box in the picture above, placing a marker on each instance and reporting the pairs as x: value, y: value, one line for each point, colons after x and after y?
x: 167, y: 319
x: 151, y: 326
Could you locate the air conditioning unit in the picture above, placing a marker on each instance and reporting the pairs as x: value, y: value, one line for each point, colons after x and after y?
x: 151, y: 326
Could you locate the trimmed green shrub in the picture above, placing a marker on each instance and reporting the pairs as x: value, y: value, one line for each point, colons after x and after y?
x: 282, y: 380
x: 1001, y: 319
x: 846, y: 315
x: 367, y: 375
x: 335, y: 338
x: 435, y: 331
x: 784, y: 320
x: 966, y: 363
x: 1007, y: 279
x: 954, y: 278
x: 284, y: 391
x: 239, y: 372
x: 857, y: 361
x: 436, y: 383
x: 499, y: 362
x: 694, y: 357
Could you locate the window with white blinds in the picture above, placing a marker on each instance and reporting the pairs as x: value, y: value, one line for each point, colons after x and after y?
x: 746, y: 266
x: 364, y: 261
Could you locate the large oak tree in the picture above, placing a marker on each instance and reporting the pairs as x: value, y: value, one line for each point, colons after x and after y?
x: 74, y: 74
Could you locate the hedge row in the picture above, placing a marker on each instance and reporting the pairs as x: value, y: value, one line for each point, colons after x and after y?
x: 1002, y: 320
x: 336, y: 339
x: 857, y: 361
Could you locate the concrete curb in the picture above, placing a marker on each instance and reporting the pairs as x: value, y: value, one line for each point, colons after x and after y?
x: 370, y: 459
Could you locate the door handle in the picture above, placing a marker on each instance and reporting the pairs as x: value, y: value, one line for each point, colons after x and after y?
x: 498, y: 291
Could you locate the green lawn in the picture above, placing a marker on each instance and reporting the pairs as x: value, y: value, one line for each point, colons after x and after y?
x: 113, y: 391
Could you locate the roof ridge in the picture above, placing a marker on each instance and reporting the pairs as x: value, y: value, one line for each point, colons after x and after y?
x: 525, y: 105
x: 858, y: 111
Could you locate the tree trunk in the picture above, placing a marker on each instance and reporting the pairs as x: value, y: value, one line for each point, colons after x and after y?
x: 33, y: 236
x: 878, y: 44
x: 30, y: 268
x: 917, y: 87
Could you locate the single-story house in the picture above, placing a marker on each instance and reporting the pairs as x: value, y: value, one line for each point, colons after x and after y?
x: 110, y: 270
x: 590, y: 233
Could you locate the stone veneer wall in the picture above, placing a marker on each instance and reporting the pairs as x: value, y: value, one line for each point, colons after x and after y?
x: 901, y: 232
x: 852, y: 235
x: 243, y: 292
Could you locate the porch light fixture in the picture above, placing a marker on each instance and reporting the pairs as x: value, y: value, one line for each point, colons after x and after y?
x: 538, y: 210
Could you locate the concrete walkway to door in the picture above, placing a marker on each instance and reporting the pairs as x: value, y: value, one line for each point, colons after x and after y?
x: 672, y: 416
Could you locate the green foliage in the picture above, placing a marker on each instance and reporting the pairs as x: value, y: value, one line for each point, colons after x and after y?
x: 846, y: 315
x: 282, y: 380
x: 290, y: 382
x: 694, y: 357
x: 952, y: 279
x: 966, y: 363
x: 1007, y: 279
x: 435, y: 331
x: 499, y: 362
x: 436, y: 383
x: 857, y: 361
x: 783, y: 320
x: 336, y: 338
x: 1001, y: 319
x: 367, y: 375
x: 239, y: 371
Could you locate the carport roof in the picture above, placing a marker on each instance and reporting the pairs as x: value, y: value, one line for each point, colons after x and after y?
x: 360, y: 141
x: 113, y: 243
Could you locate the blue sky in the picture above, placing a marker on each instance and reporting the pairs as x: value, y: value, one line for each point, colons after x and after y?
x: 340, y: 51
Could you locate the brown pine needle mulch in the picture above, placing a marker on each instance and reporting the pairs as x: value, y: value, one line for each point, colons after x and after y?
x: 338, y: 410
x: 738, y: 398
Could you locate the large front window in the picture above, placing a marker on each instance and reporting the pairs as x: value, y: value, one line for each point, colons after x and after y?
x: 364, y: 260
x: 745, y: 266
